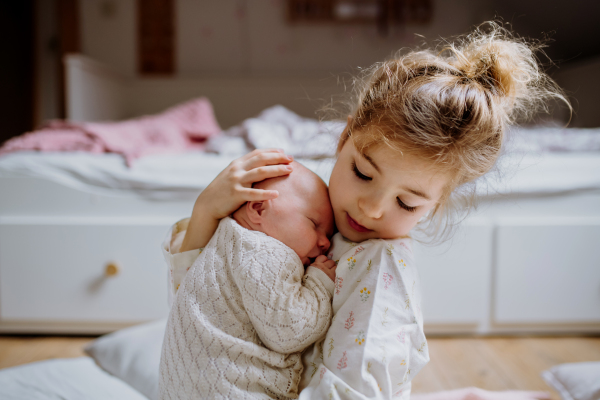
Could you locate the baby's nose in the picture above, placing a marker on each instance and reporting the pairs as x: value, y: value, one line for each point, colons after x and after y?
x: 324, y: 244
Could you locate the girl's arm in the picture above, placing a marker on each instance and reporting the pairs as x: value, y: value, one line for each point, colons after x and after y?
x: 232, y: 188
x: 228, y: 191
x: 178, y: 263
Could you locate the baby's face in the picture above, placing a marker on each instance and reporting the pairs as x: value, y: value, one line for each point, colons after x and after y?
x: 301, y: 217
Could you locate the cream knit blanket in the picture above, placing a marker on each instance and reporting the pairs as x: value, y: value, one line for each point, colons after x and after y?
x: 241, y: 318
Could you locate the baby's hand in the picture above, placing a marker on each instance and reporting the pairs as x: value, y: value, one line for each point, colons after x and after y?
x: 326, y: 265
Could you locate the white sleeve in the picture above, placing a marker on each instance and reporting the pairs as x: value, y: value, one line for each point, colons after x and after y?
x: 375, y: 344
x: 289, y: 310
x: 322, y: 277
x: 177, y: 263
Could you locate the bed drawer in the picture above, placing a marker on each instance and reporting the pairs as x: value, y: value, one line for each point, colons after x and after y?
x: 51, y: 273
x: 457, y: 272
x: 548, y: 274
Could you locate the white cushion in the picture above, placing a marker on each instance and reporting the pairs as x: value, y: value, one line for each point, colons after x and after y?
x: 68, y: 379
x: 133, y: 355
x: 576, y: 381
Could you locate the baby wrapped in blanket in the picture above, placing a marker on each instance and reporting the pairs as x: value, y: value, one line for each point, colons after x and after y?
x: 247, y: 308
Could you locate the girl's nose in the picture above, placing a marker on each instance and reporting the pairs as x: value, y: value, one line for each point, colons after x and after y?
x: 371, y: 206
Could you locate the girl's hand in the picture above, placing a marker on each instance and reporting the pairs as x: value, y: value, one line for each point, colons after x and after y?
x: 232, y: 188
x: 480, y: 394
x: 326, y: 265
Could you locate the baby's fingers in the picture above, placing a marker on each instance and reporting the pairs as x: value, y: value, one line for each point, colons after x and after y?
x: 261, y: 173
x: 321, y: 259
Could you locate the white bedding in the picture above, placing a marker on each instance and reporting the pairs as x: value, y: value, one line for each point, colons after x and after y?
x: 183, y: 176
x: 66, y: 379
x: 544, y: 174
x: 541, y: 161
x: 171, y: 177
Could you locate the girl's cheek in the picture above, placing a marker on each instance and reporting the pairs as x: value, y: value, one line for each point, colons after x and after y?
x: 334, y: 198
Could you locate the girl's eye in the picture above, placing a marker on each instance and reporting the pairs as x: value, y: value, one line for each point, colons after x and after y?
x: 359, y: 174
x: 407, y: 208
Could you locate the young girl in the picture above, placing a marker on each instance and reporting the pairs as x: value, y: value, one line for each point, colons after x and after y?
x: 425, y: 124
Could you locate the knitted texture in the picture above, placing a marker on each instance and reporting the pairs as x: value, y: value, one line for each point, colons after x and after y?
x: 240, y: 319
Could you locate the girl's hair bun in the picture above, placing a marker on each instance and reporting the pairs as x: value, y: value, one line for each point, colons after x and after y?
x: 507, y: 67
x: 493, y: 65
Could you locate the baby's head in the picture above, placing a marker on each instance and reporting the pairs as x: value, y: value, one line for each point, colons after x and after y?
x: 426, y: 123
x: 300, y: 217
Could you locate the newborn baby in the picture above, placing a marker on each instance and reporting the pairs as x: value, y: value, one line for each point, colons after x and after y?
x: 247, y: 308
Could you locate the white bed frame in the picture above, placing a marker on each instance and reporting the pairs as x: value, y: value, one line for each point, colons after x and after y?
x: 528, y: 264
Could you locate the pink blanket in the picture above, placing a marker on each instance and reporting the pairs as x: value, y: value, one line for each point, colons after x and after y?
x: 182, y: 128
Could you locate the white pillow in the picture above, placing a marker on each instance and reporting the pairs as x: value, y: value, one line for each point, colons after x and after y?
x: 576, y: 381
x: 68, y: 379
x: 133, y: 355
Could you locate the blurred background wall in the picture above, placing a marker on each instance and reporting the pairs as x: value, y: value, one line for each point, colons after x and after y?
x: 255, y: 38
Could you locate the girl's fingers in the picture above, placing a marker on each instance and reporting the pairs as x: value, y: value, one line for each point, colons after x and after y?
x: 262, y: 173
x: 263, y: 158
x: 514, y: 395
x: 253, y: 153
x: 539, y: 395
x: 530, y: 395
x: 250, y: 194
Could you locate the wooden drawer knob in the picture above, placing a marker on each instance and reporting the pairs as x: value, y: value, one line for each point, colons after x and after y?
x: 112, y: 269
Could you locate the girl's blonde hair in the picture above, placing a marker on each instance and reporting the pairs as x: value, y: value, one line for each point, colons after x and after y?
x: 451, y: 105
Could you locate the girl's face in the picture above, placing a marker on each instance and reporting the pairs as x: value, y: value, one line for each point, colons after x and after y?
x: 383, y: 193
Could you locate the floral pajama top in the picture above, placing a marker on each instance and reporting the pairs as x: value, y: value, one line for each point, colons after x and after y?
x: 375, y: 344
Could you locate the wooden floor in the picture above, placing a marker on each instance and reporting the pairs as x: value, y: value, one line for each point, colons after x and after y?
x: 489, y: 363
x: 17, y: 350
x: 500, y: 363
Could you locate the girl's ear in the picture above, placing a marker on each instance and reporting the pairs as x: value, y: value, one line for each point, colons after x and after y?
x: 255, y: 210
x: 349, y: 119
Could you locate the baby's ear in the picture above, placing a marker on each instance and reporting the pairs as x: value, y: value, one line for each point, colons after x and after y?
x: 255, y: 210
